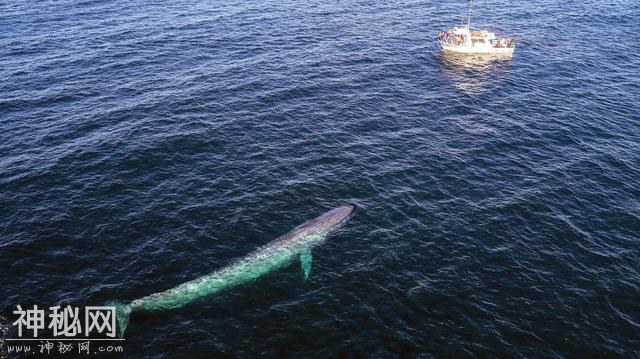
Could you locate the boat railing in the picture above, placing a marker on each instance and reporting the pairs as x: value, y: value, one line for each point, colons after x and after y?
x: 504, y: 43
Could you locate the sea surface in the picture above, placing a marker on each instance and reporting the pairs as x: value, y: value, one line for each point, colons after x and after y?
x: 144, y: 144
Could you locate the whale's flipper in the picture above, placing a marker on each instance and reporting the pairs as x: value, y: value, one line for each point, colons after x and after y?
x: 123, y: 311
x: 305, y: 261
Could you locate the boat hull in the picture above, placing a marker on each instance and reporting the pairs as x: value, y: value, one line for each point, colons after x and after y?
x: 476, y: 50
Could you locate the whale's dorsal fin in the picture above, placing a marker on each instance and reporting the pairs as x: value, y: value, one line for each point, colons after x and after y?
x: 305, y: 261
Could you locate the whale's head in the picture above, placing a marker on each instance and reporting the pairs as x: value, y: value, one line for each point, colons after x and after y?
x: 333, y: 219
x: 314, y: 231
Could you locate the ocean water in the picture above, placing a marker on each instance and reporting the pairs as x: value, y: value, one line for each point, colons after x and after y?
x: 144, y: 144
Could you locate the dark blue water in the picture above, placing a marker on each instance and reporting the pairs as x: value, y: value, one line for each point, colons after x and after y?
x: 145, y: 144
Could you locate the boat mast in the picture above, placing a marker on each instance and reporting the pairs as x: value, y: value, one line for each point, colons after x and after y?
x: 469, y: 18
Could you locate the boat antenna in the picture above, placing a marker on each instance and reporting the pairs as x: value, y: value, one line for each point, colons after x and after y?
x: 469, y: 18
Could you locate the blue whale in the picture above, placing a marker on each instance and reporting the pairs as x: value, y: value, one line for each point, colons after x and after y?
x: 274, y: 255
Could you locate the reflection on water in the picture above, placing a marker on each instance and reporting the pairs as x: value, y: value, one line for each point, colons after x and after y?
x: 472, y: 73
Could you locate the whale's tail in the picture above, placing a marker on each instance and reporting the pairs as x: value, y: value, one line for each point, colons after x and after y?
x: 123, y: 311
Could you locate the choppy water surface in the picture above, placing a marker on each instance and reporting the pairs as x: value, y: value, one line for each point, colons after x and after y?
x: 144, y: 144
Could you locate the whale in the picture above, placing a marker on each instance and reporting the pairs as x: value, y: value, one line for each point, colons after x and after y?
x: 275, y: 255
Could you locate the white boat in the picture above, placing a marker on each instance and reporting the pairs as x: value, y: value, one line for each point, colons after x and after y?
x: 463, y: 40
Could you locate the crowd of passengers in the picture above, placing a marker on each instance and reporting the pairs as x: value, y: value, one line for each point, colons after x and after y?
x: 459, y: 39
